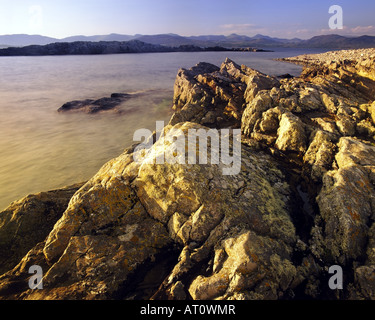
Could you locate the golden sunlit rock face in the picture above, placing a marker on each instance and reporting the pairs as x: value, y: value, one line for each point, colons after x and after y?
x: 302, y: 201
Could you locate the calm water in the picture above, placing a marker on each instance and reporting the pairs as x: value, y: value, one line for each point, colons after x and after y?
x: 41, y: 149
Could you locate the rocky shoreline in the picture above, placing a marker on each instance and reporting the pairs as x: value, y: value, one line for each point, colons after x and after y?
x: 359, y: 55
x: 303, y: 201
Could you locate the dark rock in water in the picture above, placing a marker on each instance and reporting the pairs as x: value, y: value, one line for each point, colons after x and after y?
x: 285, y: 76
x: 94, y: 106
x: 120, y: 95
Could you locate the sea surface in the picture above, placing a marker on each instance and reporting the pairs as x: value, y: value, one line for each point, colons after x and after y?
x: 41, y: 149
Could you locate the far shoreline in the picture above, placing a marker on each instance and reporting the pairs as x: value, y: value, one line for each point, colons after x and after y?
x: 112, y: 47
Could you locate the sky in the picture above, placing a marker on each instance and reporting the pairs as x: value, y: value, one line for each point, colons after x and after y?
x: 283, y: 19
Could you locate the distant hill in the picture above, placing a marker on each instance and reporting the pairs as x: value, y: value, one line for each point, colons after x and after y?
x: 230, y: 41
x: 84, y: 47
x: 172, y: 40
x: 338, y: 42
x: 105, y: 47
x: 108, y: 37
x: 262, y: 41
x: 19, y: 40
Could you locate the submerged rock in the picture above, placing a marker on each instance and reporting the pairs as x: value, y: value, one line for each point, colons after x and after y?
x: 91, y: 106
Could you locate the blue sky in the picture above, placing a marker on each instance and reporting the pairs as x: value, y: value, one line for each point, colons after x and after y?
x: 287, y: 18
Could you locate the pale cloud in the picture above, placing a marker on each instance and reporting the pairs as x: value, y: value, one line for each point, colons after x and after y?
x: 295, y: 31
x: 309, y: 33
x: 239, y: 28
x: 360, y: 30
x: 356, y: 31
x: 249, y: 29
x: 252, y: 29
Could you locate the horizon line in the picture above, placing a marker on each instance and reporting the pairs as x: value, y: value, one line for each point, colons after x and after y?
x: 184, y: 36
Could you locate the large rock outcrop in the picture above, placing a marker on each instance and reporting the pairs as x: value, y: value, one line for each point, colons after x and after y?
x: 216, y: 97
x: 301, y: 202
x: 132, y: 214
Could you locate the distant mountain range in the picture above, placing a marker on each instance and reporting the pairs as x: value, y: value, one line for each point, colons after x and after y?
x: 175, y: 40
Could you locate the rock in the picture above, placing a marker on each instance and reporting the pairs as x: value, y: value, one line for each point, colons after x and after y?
x: 309, y: 98
x: 327, y: 125
x: 291, y: 134
x: 372, y: 112
x: 119, y: 103
x: 205, y: 93
x: 177, y: 291
x: 270, y: 121
x: 189, y: 112
x: 254, y: 112
x: 186, y: 88
x: 254, y: 262
x: 364, y: 276
x: 346, y: 202
x: 285, y: 76
x: 290, y: 103
x: 366, y: 129
x: 329, y: 102
x: 365, y: 279
x: 94, y: 106
x: 28, y: 221
x: 256, y: 82
x: 346, y: 126
x: 320, y: 154
x: 209, y: 118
